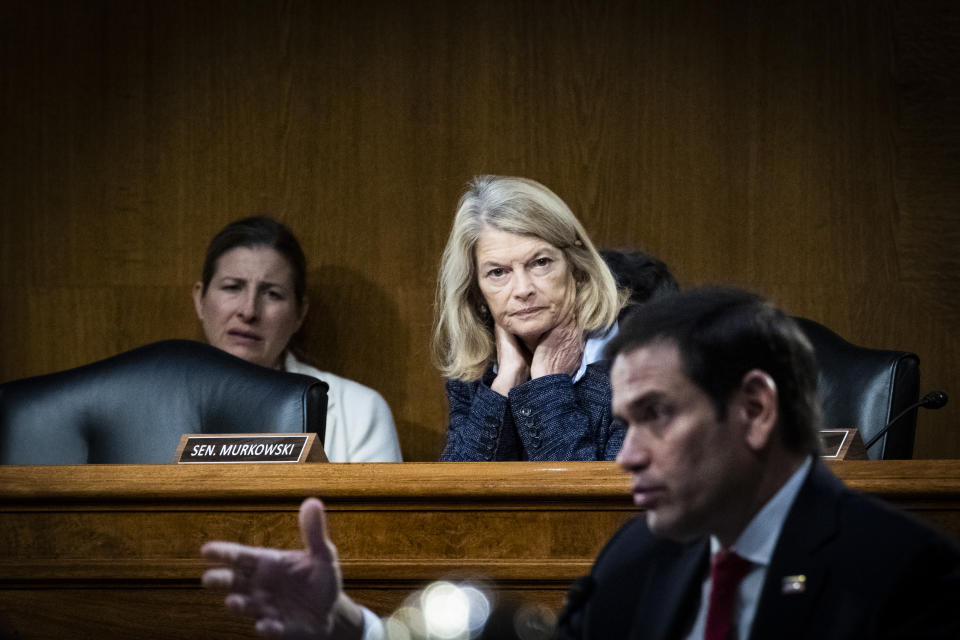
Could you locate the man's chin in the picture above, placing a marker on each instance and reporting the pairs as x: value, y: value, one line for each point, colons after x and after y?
x: 662, y: 525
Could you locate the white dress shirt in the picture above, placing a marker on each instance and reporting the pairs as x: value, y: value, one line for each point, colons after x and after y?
x: 756, y: 544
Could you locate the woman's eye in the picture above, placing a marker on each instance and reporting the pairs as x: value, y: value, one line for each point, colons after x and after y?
x: 231, y: 286
x: 274, y: 295
x: 496, y: 272
x: 542, y: 262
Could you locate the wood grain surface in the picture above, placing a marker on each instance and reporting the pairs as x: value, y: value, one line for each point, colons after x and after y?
x: 805, y: 149
x: 113, y: 551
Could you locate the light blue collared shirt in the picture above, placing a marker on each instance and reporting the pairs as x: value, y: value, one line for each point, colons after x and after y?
x: 756, y: 544
x: 593, y: 349
x: 372, y: 625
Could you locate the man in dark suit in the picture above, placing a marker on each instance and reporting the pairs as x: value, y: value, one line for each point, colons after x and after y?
x: 746, y: 534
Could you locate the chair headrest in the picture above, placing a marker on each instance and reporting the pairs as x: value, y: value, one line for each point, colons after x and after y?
x: 865, y: 388
x: 133, y: 407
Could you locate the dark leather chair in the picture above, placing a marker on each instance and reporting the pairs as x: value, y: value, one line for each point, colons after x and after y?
x: 865, y: 388
x: 133, y: 407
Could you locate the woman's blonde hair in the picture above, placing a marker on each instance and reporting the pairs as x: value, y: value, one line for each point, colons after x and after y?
x: 463, y: 338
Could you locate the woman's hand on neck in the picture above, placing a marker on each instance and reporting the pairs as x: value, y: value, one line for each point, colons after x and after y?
x: 559, y: 350
x: 513, y: 362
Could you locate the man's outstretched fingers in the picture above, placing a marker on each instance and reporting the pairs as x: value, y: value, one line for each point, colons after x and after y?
x: 218, y: 579
x: 242, y: 605
x: 218, y: 551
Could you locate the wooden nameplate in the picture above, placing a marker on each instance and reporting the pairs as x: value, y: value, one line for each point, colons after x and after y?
x: 237, y: 448
x: 842, y: 444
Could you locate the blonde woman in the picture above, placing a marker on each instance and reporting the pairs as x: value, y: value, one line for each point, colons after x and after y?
x: 524, y: 307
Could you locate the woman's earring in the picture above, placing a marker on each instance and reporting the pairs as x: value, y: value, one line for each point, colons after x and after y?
x: 483, y: 311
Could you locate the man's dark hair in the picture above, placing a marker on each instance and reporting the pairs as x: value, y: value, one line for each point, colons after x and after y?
x: 646, y: 277
x: 722, y: 334
x: 258, y: 231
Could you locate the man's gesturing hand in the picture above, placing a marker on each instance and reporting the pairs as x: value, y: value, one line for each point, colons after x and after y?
x: 290, y: 594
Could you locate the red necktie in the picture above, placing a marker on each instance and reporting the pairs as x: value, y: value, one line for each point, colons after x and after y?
x: 726, y: 572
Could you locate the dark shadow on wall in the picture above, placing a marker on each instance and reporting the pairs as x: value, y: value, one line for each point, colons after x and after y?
x: 353, y: 329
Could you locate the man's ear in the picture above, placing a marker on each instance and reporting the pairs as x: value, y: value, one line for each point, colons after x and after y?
x: 755, y: 403
x: 198, y: 299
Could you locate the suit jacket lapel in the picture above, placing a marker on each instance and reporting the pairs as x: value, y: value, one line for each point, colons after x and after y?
x: 811, y: 524
x: 673, y: 589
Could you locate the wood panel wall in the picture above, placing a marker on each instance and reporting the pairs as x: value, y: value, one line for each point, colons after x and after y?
x: 806, y: 149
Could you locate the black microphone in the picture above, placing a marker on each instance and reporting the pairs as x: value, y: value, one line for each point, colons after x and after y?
x: 933, y: 400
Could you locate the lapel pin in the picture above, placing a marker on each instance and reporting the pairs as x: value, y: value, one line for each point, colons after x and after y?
x: 794, y: 584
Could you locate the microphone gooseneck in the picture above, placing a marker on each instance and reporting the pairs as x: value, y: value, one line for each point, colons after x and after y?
x: 932, y: 400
